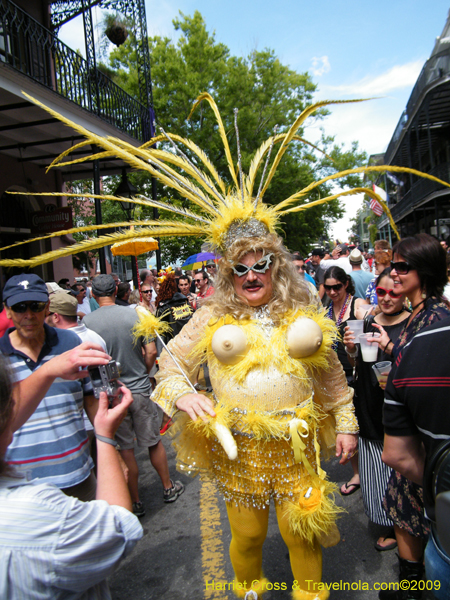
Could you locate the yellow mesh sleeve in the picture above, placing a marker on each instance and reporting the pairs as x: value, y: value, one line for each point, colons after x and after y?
x: 171, y: 385
x: 334, y: 396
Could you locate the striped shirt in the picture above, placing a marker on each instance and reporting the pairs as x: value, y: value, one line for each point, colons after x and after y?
x: 52, y: 445
x: 55, y: 547
x: 417, y: 396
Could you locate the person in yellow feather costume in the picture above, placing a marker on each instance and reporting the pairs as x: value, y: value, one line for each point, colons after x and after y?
x: 278, y: 387
x: 279, y: 392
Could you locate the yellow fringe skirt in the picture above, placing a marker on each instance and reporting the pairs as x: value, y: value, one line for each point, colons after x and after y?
x: 267, y: 466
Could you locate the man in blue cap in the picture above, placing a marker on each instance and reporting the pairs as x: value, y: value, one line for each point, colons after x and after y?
x: 50, y: 442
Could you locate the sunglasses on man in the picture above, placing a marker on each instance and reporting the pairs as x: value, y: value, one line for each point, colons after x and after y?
x: 258, y: 267
x: 34, y: 306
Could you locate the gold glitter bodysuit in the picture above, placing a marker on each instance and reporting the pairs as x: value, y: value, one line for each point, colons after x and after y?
x: 275, y: 407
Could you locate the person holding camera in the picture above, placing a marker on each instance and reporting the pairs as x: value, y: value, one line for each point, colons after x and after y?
x: 54, y: 546
x: 115, y: 324
x: 50, y: 440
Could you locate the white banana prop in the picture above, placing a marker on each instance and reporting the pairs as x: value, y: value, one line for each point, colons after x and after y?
x: 226, y: 440
x: 151, y: 326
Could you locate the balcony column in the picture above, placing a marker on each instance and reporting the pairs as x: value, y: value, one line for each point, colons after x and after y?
x: 92, y: 81
x: 430, y: 147
x: 410, y: 159
x: 417, y: 132
x: 98, y: 209
x: 436, y: 216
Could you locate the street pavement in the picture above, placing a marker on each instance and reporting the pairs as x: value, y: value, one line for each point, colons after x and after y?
x: 185, y: 546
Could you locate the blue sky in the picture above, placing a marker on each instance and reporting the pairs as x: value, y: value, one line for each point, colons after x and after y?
x: 352, y: 50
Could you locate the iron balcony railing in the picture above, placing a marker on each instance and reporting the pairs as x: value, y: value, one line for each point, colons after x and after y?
x: 31, y: 49
x: 436, y: 67
x: 420, y: 190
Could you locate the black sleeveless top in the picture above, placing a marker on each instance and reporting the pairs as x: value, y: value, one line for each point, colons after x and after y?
x: 342, y: 354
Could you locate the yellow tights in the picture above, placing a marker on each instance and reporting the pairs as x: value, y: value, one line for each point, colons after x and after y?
x: 249, y: 530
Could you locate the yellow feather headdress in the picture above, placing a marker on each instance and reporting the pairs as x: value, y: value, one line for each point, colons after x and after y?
x: 223, y: 214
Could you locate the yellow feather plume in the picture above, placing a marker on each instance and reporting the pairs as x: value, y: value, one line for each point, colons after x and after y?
x: 106, y: 240
x: 217, y: 208
x: 352, y: 192
x: 223, y: 135
x: 314, y: 515
x: 196, y: 150
x: 148, y: 325
x: 293, y: 129
x: 262, y: 151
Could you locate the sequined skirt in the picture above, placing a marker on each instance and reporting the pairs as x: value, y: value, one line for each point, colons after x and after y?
x: 266, y: 465
x: 262, y: 470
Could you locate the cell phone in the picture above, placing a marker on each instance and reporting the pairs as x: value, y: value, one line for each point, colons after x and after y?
x: 105, y: 379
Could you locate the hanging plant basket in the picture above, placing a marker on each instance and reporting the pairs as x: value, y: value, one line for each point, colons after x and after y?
x: 116, y: 31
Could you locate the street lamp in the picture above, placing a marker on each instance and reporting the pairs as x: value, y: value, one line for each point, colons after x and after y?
x: 126, y: 189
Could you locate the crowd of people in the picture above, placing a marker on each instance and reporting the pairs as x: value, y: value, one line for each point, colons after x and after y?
x: 236, y: 328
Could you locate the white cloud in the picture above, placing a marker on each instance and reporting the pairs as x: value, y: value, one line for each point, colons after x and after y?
x: 320, y: 65
x: 397, y: 77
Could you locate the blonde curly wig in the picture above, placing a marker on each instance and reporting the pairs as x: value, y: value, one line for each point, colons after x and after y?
x: 289, y: 290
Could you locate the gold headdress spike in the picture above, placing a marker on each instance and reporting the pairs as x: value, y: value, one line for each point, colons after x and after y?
x: 221, y: 215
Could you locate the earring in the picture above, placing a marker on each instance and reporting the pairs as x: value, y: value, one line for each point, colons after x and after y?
x: 424, y: 295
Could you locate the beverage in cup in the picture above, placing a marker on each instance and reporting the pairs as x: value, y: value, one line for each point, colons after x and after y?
x: 369, y: 350
x: 382, y: 370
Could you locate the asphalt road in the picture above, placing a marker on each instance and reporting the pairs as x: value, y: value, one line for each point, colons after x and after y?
x: 186, y: 543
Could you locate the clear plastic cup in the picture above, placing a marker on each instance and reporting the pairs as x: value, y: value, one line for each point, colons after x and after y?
x: 382, y: 370
x: 357, y: 327
x: 369, y: 350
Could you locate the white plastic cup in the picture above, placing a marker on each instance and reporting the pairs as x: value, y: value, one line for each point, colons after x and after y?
x: 382, y: 370
x: 357, y: 328
x: 369, y: 350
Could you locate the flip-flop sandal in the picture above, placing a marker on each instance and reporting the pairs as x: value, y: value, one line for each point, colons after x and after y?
x: 353, y: 487
x: 390, y: 546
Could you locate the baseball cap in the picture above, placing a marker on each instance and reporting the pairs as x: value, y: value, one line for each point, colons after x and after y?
x: 63, y: 304
x: 53, y: 287
x: 24, y: 288
x: 103, y: 285
x: 318, y: 252
x: 355, y: 257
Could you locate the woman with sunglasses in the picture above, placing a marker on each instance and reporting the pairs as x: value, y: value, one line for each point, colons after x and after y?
x: 419, y: 271
x: 382, y: 261
x: 374, y: 474
x: 340, y: 288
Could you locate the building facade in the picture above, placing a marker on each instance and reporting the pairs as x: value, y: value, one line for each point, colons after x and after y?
x: 33, y: 60
x: 421, y: 141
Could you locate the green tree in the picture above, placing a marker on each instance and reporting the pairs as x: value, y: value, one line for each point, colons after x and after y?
x: 266, y: 92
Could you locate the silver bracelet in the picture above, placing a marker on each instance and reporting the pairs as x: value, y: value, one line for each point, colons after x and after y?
x: 107, y: 440
x: 352, y: 354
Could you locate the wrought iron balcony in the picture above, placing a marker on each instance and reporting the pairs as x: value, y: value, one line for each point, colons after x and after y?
x: 437, y: 67
x: 31, y: 49
x: 420, y: 190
